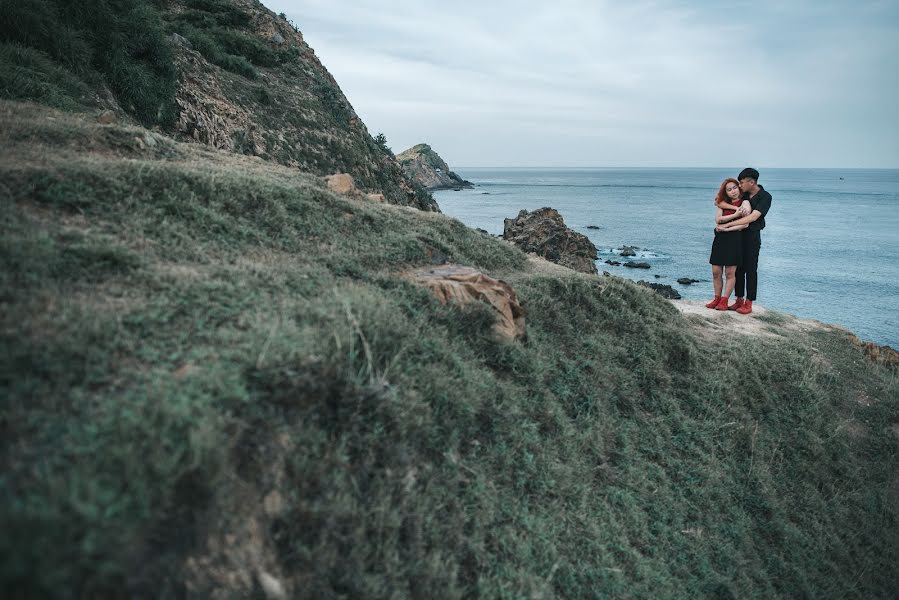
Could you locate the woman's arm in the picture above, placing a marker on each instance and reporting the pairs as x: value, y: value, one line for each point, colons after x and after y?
x: 726, y: 227
x: 744, y: 208
x: 720, y: 217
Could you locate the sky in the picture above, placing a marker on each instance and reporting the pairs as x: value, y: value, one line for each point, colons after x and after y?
x: 658, y: 83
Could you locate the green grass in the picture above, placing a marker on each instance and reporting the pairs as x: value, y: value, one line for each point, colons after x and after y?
x: 70, y: 55
x: 185, y: 332
x: 67, y: 46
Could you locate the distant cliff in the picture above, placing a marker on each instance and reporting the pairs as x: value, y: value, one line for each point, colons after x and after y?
x: 425, y: 167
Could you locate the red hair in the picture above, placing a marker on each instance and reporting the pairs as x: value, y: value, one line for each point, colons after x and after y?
x: 722, y: 194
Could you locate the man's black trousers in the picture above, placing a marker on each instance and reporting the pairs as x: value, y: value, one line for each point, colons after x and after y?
x: 747, y: 273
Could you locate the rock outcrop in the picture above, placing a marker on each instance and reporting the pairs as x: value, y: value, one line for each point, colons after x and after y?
x: 464, y: 285
x: 544, y: 233
x: 884, y: 355
x: 425, y: 167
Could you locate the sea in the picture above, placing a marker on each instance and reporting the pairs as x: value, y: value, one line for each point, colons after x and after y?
x: 830, y: 248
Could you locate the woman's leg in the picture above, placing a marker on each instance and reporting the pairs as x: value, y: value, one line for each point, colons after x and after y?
x: 730, y: 274
x: 716, y: 279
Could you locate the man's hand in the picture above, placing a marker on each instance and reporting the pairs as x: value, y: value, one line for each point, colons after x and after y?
x: 745, y: 208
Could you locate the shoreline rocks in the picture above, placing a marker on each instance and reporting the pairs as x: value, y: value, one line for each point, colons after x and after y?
x: 637, y: 265
x: 666, y: 291
x: 544, y: 233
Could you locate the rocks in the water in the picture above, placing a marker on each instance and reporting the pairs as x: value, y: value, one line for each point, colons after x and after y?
x: 482, y: 231
x: 614, y: 263
x: 628, y: 251
x: 666, y: 291
x: 687, y: 280
x: 657, y: 276
x: 636, y: 265
x: 592, y: 226
x: 464, y: 285
x: 544, y: 233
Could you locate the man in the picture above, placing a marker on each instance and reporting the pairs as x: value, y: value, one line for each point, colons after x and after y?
x: 752, y: 224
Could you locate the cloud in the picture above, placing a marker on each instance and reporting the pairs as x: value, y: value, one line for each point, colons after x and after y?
x: 581, y: 83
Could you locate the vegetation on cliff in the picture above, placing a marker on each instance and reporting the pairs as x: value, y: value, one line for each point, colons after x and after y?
x: 227, y: 73
x: 215, y: 372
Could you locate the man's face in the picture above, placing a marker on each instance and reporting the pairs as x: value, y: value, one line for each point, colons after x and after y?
x: 746, y: 184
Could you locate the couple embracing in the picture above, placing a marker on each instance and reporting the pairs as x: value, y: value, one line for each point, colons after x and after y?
x: 741, y: 206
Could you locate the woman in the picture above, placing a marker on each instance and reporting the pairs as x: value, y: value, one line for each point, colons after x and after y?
x: 727, y: 252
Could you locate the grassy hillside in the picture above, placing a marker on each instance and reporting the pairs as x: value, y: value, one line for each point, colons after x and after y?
x: 226, y: 73
x: 213, y: 368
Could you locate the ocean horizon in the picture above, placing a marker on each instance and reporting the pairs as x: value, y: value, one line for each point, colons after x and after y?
x: 830, y: 249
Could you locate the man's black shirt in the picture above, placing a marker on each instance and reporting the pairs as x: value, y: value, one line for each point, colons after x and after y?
x: 762, y: 203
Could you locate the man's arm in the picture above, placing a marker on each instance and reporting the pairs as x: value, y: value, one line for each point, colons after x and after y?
x: 753, y: 216
x: 743, y: 209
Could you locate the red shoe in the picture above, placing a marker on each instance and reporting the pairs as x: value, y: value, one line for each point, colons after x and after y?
x: 714, y: 302
x: 746, y: 308
x: 736, y: 305
x: 722, y: 304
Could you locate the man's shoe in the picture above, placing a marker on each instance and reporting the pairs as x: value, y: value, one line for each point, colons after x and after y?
x: 737, y: 304
x: 714, y: 302
x: 722, y: 304
x: 746, y: 308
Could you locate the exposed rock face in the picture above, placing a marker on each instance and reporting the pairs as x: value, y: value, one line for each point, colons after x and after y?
x: 291, y: 111
x: 884, y: 355
x: 464, y: 285
x: 423, y: 165
x: 666, y: 291
x: 628, y: 251
x: 544, y: 233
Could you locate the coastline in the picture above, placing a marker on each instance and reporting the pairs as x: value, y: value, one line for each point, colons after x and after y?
x: 824, y: 271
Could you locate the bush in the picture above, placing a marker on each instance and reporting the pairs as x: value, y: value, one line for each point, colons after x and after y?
x: 29, y: 74
x: 121, y: 41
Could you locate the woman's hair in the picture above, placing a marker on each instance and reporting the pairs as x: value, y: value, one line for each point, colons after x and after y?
x: 722, y: 195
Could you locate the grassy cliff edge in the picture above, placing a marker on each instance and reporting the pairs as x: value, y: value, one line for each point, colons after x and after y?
x: 215, y: 373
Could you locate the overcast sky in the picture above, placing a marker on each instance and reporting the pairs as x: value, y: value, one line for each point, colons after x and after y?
x: 798, y: 83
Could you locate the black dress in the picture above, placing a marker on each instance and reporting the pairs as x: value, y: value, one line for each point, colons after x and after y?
x: 727, y: 248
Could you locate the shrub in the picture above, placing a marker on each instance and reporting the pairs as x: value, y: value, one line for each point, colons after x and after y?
x: 122, y: 41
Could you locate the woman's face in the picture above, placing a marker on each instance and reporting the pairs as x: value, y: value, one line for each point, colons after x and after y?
x: 732, y: 190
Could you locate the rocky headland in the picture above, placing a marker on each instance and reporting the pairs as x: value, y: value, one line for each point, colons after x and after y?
x: 424, y: 166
